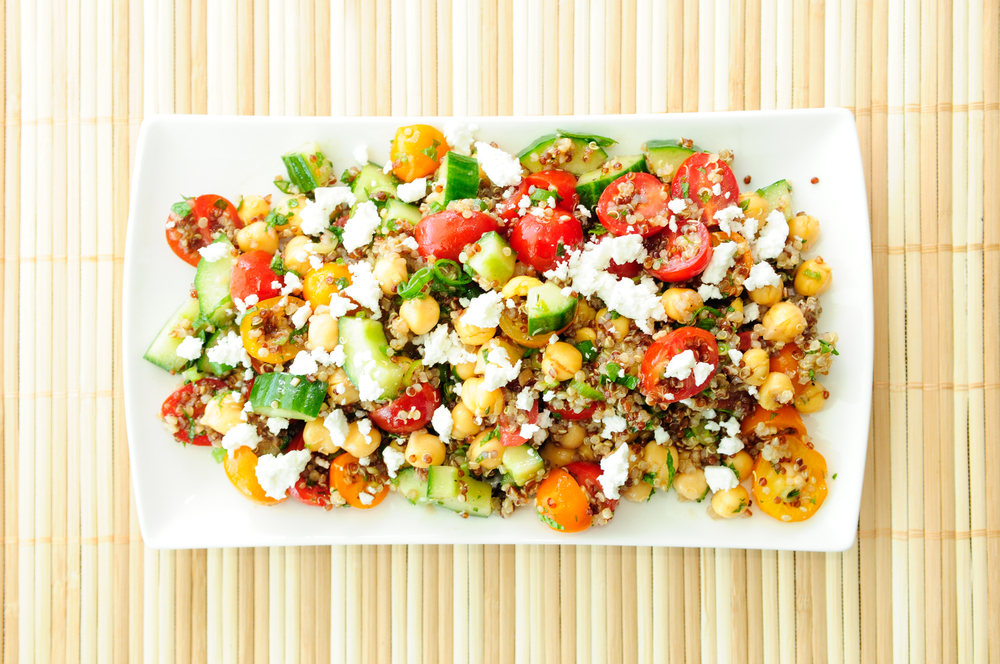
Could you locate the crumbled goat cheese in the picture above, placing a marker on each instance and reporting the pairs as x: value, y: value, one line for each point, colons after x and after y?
x: 368, y: 387
x: 361, y: 227
x: 680, y: 365
x: 735, y: 356
x: 723, y: 258
x: 544, y: 419
x: 751, y: 311
x: 484, y: 310
x: 761, y: 275
x: 292, y: 284
x: 340, y: 305
x: 773, y: 236
x: 336, y: 424
x: 613, y: 424
x: 365, y: 427
x: 677, y: 205
x: 215, y: 251
x: 229, y: 351
x: 661, y: 435
x: 410, y: 243
x: 277, y: 474
x: 301, y: 315
x: 337, y: 355
x: 441, y: 345
x: 410, y: 192
x: 366, y: 498
x: 502, y: 169
x: 276, y: 425
x: 189, y: 348
x: 364, y: 288
x: 316, y: 216
x: 702, y: 372
x: 750, y: 228
x: 525, y: 400
x: 277, y: 285
x: 361, y: 155
x: 303, y: 364
x: 241, y: 435
x: 717, y: 189
x: 584, y: 212
x: 443, y: 423
x: 720, y: 478
x: 459, y: 137
x: 499, y: 370
x: 393, y: 460
x: 614, y: 471
x: 709, y: 292
x: 528, y: 430
x: 729, y: 219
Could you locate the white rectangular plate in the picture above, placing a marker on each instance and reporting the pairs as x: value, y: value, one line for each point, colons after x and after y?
x: 183, y: 497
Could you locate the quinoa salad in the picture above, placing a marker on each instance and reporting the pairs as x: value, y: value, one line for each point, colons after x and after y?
x: 481, y: 331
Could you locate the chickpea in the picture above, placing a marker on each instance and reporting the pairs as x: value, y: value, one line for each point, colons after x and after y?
x: 776, y: 391
x: 472, y: 335
x: 223, y: 414
x: 463, y: 422
x: 253, y: 208
x: 485, y: 450
x: 733, y: 502
x: 619, y: 326
x: 758, y: 364
x: 257, y: 236
x: 290, y: 207
x: 655, y: 455
x: 424, y: 450
x: 766, y: 296
x: 341, y: 390
x: 296, y: 254
x: 737, y: 305
x: 556, y: 455
x: 317, y: 437
x: 691, y: 486
x: 327, y: 243
x: 813, y: 277
x: 756, y: 207
x: 812, y: 398
x: 479, y: 400
x: 465, y: 370
x: 561, y: 361
x: 390, y: 270
x: 573, y: 438
x: 420, y: 313
x: 743, y: 464
x: 783, y: 322
x: 585, y: 334
x: 362, y: 438
x: 519, y: 286
x: 486, y: 351
x: 639, y: 492
x: 681, y: 303
x: 323, y: 332
x: 584, y: 312
x: 806, y: 228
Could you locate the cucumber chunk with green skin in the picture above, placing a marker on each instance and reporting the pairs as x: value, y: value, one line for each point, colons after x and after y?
x: 207, y: 366
x: 477, y: 495
x: 288, y: 396
x: 523, y: 463
x: 398, y: 214
x: 495, y: 260
x: 371, y: 181
x: 778, y: 197
x: 592, y: 184
x: 212, y: 283
x: 163, y: 351
x: 548, y: 309
x: 586, y: 391
x: 663, y: 158
x: 442, y: 482
x: 411, y: 486
x: 365, y: 348
x: 308, y: 168
x: 459, y: 177
x: 570, y: 154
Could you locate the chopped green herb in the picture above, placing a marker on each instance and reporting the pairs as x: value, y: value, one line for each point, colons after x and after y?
x: 597, y: 230
x: 794, y: 493
x: 181, y: 209
x: 812, y: 274
x: 685, y: 189
x: 745, y: 205
x: 549, y: 522
x: 543, y: 196
x: 586, y: 349
x: 649, y: 478
x: 274, y: 218
x: 705, y: 196
x: 219, y: 454
x: 278, y: 265
x: 493, y: 434
x: 835, y: 476
x: 739, y: 509
x: 221, y: 204
x: 707, y: 490
x: 284, y: 186
x: 560, y: 249
x: 431, y: 151
x: 342, y: 283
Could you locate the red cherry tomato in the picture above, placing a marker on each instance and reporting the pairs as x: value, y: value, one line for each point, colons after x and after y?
x: 635, y: 203
x: 445, y: 234
x: 511, y: 436
x: 696, y: 179
x: 410, y: 411
x: 563, y: 181
x: 626, y: 270
x: 542, y: 241
x: 680, y: 255
x: 662, y: 390
x: 184, y: 234
x: 317, y: 494
x: 573, y: 416
x: 746, y: 341
x: 186, y: 405
x: 587, y: 474
x: 252, y: 275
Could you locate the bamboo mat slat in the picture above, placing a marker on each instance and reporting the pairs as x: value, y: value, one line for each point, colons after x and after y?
x: 922, y: 583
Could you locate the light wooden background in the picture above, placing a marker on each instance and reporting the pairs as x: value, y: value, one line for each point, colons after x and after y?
x: 923, y: 581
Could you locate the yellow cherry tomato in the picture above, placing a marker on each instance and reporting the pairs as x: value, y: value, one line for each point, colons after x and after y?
x: 241, y: 470
x: 562, y: 504
x: 267, y: 330
x: 417, y: 151
x: 794, y: 488
x: 322, y: 284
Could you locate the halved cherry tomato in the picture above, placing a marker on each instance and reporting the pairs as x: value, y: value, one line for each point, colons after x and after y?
x: 186, y: 235
x: 417, y: 151
x: 186, y: 405
x: 542, y: 242
x: 794, y: 488
x: 313, y: 485
x: 515, y: 326
x: 322, y: 284
x: 785, y: 362
x: 635, y: 203
x: 784, y: 420
x: 679, y: 255
x: 445, y: 234
x: 623, y: 270
x: 660, y: 390
x: 351, y: 479
x: 562, y: 503
x: 412, y: 411
x: 241, y: 470
x: 587, y: 474
x: 252, y: 275
x: 563, y: 181
x: 697, y: 178
x: 275, y: 343
x: 510, y: 436
x: 573, y: 416
x: 732, y: 283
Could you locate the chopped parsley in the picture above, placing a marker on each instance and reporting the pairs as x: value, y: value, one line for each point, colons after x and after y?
x: 431, y: 151
x: 597, y: 229
x: 616, y: 375
x: 587, y: 350
x: 182, y: 209
x: 549, y: 522
x: 219, y: 454
x: 543, y: 196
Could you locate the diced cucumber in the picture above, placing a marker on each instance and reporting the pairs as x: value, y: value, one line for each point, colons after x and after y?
x: 477, y: 497
x: 192, y: 374
x: 459, y: 176
x: 523, y: 463
x: 663, y: 158
x: 372, y: 180
x: 398, y: 214
x: 495, y: 260
x: 548, y: 309
x: 411, y: 486
x: 288, y: 396
x: 442, y: 482
x: 365, y: 350
x: 586, y: 391
x: 212, y: 283
x: 163, y: 351
x: 570, y: 154
x: 592, y: 184
x: 308, y: 168
x: 778, y: 197
x: 207, y: 366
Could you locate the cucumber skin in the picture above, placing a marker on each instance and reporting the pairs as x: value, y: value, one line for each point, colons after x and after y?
x: 297, y: 402
x: 523, y: 463
x: 408, y: 483
x: 661, y: 154
x: 302, y: 173
x: 163, y: 350
x: 779, y: 197
x: 360, y: 334
x: 555, y: 316
x: 592, y: 184
x: 576, y: 165
x: 211, y: 281
x: 460, y: 175
x: 490, y: 263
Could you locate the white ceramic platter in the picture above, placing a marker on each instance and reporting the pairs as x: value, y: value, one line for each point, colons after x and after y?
x: 183, y: 497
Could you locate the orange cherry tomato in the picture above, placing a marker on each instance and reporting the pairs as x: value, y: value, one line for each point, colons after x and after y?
x: 784, y: 420
x: 417, y: 151
x: 786, y: 363
x: 241, y: 470
x: 794, y: 488
x: 562, y: 504
x: 322, y: 284
x: 516, y: 328
x: 267, y: 331
x: 348, y: 479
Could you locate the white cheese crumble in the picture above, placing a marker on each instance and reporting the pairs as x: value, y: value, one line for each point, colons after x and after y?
x: 717, y: 189
x: 361, y: 155
x: 368, y: 387
x: 584, y: 212
x: 735, y: 355
x: 292, y: 284
x: 441, y: 345
x: 361, y: 226
x: 241, y: 435
x: 336, y: 424
x: 190, y: 348
x: 677, y: 205
x: 316, y: 216
x: 525, y: 400
x: 702, y: 372
x: 680, y: 365
x: 720, y: 478
x: 709, y: 292
x: 501, y: 168
x: 661, y: 435
x: 751, y: 311
x: 761, y: 275
x: 276, y: 425
x: 229, y: 351
x: 410, y: 243
x: 340, y: 305
x: 459, y: 137
x: 410, y: 192
x: 214, y: 252
x: 729, y: 218
x: 613, y: 424
x: 365, y: 498
x: 393, y: 460
x: 278, y: 474
x: 337, y: 355
x: 773, y: 236
x: 484, y: 310
x: 364, y: 288
x: 443, y: 423
x: 723, y: 258
x: 528, y: 430
x: 614, y: 471
x: 499, y: 371
x: 303, y: 364
x: 301, y: 315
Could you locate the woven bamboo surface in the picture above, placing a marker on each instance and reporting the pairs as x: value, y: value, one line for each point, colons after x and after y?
x: 921, y: 584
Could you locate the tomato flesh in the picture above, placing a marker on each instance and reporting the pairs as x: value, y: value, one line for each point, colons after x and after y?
x: 348, y: 477
x: 587, y: 473
x: 794, y: 488
x: 185, y: 404
x: 783, y: 420
x: 697, y: 178
x: 410, y: 411
x: 275, y: 344
x: 252, y: 275
x: 573, y: 416
x: 510, y: 436
x: 634, y: 204
x: 445, y: 234
x: 542, y: 242
x: 186, y: 235
x: 661, y: 390
x: 562, y: 504
x: 565, y: 186
x: 679, y: 255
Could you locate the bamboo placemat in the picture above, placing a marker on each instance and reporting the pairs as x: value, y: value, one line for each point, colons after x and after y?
x: 921, y: 584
